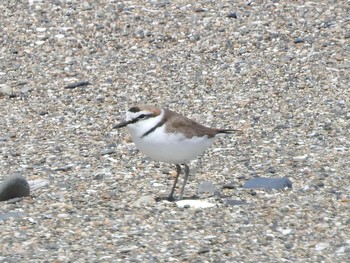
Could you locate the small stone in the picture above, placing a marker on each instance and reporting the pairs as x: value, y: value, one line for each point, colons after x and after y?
x: 253, y: 193
x: 207, y: 187
x: 144, y: 201
x: 321, y: 246
x: 106, y: 196
x: 59, y: 36
x: 272, y: 170
x: 14, y: 200
x: 14, y: 186
x: 299, y: 40
x: 40, y: 42
x: 5, y: 90
x: 4, y: 138
x: 228, y: 186
x: 320, y: 184
x: 127, y: 249
x: 25, y: 89
x: 5, y: 216
x: 300, y: 158
x: 64, y: 168
x: 77, y: 84
x: 41, y: 29
x: 200, y: 10
x: 232, y: 15
x: 286, y: 231
x: 166, y: 170
x: 38, y: 183
x: 108, y: 151
x: 288, y: 245
x: 268, y: 183
x: 203, y: 250
x: 99, y: 176
x: 340, y: 250
x: 86, y: 7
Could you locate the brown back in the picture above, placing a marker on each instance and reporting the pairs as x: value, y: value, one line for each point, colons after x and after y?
x: 177, y: 123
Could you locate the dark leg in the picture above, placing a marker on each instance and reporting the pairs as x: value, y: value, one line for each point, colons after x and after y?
x: 187, y: 173
x: 178, y: 171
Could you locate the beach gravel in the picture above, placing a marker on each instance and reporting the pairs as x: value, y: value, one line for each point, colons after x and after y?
x: 278, y: 70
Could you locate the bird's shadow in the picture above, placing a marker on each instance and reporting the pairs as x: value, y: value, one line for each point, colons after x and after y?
x: 174, y: 199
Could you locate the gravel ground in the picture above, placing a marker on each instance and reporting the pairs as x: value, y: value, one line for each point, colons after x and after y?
x: 279, y: 70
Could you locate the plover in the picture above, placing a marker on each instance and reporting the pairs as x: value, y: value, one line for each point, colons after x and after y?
x: 166, y: 136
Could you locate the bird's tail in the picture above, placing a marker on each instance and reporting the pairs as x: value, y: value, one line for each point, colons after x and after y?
x: 229, y: 131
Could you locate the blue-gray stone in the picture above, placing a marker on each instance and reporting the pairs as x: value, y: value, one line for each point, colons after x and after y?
x: 5, y: 216
x: 14, y: 186
x: 207, y: 187
x: 268, y: 183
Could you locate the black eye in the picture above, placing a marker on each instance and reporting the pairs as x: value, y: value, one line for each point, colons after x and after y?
x: 142, y: 116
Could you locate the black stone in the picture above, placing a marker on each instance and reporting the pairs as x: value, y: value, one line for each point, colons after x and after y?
x: 232, y: 15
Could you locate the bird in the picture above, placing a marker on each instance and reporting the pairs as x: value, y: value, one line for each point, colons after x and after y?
x: 166, y: 136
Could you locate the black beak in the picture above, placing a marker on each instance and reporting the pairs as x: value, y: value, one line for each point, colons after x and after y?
x: 121, y: 125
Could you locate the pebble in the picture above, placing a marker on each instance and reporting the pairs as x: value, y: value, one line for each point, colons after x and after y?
x: 5, y: 90
x: 299, y: 40
x: 77, y: 84
x: 8, y: 215
x: 36, y: 184
x: 321, y: 246
x: 146, y: 200
x: 268, y: 183
x: 207, y: 187
x: 108, y: 151
x: 232, y: 15
x: 14, y: 186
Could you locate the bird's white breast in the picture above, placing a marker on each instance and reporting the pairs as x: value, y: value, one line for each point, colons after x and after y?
x: 169, y: 147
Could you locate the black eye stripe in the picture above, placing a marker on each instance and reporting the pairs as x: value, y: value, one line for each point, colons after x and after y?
x: 140, y: 117
x: 146, y: 116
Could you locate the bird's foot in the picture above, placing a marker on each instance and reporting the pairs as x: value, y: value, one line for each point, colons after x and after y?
x: 167, y: 198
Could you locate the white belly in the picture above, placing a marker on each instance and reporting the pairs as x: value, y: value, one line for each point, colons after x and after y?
x: 171, y: 148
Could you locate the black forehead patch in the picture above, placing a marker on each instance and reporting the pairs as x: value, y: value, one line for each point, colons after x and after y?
x: 134, y: 109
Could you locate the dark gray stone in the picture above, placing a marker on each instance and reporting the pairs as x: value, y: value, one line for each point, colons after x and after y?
x: 228, y: 186
x: 14, y: 186
x: 268, y: 183
x: 77, y: 84
x: 232, y: 15
x: 108, y: 151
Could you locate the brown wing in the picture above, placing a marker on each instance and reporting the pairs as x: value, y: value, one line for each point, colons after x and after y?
x: 190, y: 128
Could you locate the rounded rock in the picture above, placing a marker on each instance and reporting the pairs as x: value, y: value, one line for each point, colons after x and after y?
x: 14, y: 186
